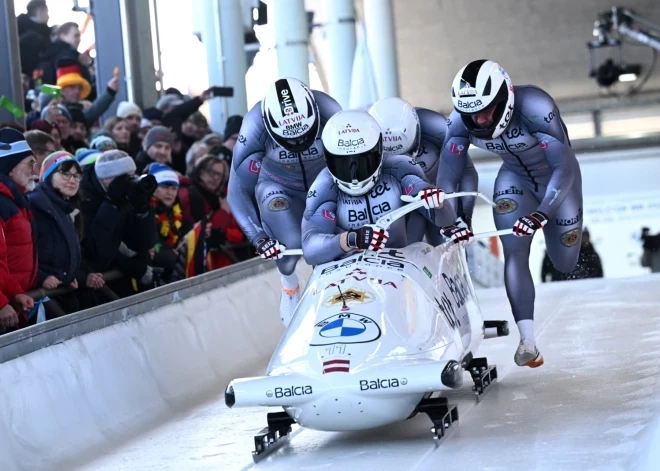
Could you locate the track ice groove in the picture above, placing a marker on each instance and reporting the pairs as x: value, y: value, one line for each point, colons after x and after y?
x: 588, y: 407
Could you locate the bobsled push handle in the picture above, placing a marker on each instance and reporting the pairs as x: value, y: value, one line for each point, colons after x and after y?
x: 413, y: 203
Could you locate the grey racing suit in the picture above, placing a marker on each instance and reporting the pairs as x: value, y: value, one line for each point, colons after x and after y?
x: 267, y: 178
x: 433, y: 130
x: 329, y: 211
x: 539, y: 172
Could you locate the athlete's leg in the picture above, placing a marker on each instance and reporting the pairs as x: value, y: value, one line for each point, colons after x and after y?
x: 281, y: 213
x: 517, y: 276
x: 563, y: 233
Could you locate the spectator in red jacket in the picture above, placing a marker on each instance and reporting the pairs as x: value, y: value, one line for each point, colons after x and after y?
x: 17, y: 176
x: 10, y: 291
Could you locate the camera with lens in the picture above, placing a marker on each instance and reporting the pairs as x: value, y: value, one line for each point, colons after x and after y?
x: 139, y: 190
x: 141, y: 185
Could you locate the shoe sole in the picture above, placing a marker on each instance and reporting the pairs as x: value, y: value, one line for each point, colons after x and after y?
x: 533, y: 363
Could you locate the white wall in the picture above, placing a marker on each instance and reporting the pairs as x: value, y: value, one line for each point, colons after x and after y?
x: 621, y: 195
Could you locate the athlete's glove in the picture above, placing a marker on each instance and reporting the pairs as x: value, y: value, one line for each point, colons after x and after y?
x: 528, y: 225
x: 270, y: 249
x: 432, y: 197
x: 460, y: 232
x: 367, y: 237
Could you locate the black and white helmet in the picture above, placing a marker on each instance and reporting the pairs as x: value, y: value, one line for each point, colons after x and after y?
x: 479, y: 85
x: 291, y: 114
x: 353, y: 149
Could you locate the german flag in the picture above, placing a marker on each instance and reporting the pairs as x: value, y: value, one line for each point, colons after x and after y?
x: 193, y: 255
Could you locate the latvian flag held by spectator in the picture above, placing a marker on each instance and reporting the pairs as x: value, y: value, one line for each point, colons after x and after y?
x: 331, y: 366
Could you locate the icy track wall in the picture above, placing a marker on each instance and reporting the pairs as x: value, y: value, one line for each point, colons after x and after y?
x: 117, y: 370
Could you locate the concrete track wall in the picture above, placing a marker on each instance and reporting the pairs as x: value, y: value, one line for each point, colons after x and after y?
x: 61, y: 405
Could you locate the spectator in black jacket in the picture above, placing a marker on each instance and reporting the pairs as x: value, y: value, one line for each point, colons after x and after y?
x: 33, y: 35
x: 66, y: 47
x: 54, y: 204
x: 116, y: 210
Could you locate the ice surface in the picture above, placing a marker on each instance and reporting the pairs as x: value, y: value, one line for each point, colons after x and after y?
x: 593, y: 405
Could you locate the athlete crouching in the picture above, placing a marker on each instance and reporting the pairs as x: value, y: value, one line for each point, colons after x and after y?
x: 358, y: 187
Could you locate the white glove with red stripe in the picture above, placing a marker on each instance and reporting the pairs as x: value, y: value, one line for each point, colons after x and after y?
x: 368, y: 237
x: 433, y: 197
x: 270, y: 249
x: 528, y: 225
x: 460, y: 232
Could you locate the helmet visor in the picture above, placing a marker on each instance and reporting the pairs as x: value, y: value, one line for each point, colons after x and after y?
x: 355, y: 167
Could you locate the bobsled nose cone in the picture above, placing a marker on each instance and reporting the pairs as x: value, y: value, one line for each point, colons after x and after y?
x: 452, y: 375
x: 230, y: 398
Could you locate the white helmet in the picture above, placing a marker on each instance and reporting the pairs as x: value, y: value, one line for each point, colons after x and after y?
x: 353, y: 148
x: 290, y: 114
x: 400, y: 125
x: 480, y: 85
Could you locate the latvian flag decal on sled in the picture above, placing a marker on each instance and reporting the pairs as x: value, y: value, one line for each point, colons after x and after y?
x: 331, y: 366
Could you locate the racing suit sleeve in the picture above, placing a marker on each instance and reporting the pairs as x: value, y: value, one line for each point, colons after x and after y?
x: 469, y: 182
x: 248, y: 154
x: 320, y: 233
x: 454, y: 162
x: 411, y: 178
x: 541, y: 116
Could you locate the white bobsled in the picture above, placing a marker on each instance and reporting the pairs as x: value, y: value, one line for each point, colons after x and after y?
x: 372, y: 337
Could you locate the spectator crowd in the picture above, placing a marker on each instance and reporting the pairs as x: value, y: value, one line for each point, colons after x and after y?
x: 93, y: 211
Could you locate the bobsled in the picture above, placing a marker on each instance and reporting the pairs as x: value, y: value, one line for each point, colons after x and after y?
x: 373, y: 338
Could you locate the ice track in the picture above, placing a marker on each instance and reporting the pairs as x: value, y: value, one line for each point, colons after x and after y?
x: 593, y: 405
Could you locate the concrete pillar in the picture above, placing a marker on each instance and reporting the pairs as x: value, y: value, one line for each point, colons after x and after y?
x: 341, y: 40
x: 141, y: 82
x: 291, y: 38
x: 10, y: 63
x: 211, y: 40
x: 379, y: 20
x: 232, y: 42
x: 110, y: 50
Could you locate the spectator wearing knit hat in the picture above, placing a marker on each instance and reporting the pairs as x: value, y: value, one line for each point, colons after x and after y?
x: 53, y: 130
x: 56, y: 211
x: 87, y: 157
x: 102, y: 143
x: 17, y: 177
x: 157, y: 145
x: 132, y: 114
x: 114, y: 213
x: 169, y: 217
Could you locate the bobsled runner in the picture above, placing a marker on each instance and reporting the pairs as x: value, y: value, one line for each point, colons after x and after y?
x: 372, y: 338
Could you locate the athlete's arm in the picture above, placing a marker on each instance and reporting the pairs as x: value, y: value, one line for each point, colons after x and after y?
x: 248, y: 154
x: 321, y: 238
x: 454, y: 161
x: 540, y: 115
x: 412, y: 181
